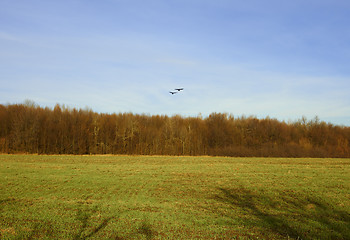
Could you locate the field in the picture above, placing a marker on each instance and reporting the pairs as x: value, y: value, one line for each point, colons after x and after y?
x: 163, y: 197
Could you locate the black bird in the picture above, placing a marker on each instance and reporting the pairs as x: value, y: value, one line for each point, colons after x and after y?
x: 172, y: 92
x: 179, y: 89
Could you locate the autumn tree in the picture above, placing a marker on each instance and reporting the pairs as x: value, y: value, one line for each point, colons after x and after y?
x: 28, y: 128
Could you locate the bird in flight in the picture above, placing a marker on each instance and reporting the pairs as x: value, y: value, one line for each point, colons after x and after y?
x: 172, y: 93
x: 179, y: 89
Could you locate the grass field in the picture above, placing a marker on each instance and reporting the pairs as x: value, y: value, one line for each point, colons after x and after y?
x: 163, y: 197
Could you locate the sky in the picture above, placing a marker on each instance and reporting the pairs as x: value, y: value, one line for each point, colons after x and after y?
x: 271, y: 58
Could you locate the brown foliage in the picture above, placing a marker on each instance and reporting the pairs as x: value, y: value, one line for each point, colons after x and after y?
x: 27, y: 128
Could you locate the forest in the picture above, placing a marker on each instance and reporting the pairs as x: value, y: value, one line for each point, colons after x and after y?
x: 29, y: 128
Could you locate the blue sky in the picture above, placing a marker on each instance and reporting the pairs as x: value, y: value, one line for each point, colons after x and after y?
x: 282, y: 59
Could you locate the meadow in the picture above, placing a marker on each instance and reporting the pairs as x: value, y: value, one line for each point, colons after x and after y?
x: 171, y: 197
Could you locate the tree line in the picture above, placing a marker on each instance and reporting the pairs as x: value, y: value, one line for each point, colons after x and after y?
x: 28, y: 128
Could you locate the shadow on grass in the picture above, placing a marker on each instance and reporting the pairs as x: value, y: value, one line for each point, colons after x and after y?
x: 87, y: 228
x: 83, y: 216
x: 289, y: 216
x: 38, y: 230
x: 7, y: 201
x: 146, y: 230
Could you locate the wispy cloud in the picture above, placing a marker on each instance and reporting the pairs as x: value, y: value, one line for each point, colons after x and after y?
x: 175, y: 61
x: 10, y: 37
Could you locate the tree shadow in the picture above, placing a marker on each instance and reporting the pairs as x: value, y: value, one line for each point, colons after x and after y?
x: 4, y: 202
x: 88, y: 228
x: 146, y: 230
x: 297, y: 217
x: 37, y: 231
x: 83, y: 216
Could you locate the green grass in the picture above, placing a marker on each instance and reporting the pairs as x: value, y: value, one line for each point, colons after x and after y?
x: 162, y: 197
